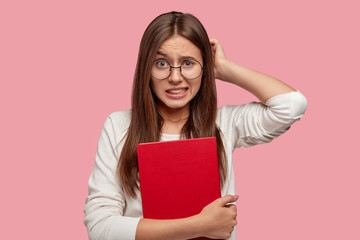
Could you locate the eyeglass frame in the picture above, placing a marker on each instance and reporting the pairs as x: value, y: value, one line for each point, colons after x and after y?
x: 171, y: 67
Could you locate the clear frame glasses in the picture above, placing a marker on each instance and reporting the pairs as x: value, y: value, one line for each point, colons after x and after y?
x: 189, y: 69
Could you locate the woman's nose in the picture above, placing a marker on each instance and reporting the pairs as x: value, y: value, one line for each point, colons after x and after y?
x: 175, y: 75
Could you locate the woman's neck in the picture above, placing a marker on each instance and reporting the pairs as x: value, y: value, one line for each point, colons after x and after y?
x: 174, y: 119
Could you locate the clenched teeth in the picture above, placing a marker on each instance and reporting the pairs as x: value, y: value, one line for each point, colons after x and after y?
x: 176, y: 91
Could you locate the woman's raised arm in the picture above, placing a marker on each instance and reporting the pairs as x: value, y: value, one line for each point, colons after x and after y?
x: 261, y: 85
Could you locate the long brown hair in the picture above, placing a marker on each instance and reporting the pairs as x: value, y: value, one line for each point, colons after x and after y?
x: 146, y: 122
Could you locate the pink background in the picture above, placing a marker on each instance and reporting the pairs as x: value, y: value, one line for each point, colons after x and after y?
x: 66, y: 65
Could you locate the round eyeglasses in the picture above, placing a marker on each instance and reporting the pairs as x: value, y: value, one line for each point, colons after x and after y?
x: 189, y: 69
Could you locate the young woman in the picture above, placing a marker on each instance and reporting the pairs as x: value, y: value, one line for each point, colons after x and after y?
x: 174, y: 97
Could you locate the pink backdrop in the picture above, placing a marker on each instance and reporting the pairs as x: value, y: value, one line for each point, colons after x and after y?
x: 65, y: 65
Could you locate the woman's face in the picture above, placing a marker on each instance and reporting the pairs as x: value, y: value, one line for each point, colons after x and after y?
x: 176, y: 91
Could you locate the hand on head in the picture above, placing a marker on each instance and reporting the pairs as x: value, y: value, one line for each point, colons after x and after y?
x: 219, y: 57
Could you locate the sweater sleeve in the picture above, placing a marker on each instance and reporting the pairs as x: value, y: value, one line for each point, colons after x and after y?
x: 106, y: 199
x: 255, y: 123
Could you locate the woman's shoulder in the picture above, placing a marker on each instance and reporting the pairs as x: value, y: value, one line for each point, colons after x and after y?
x: 118, y: 122
x: 227, y: 111
x: 121, y: 117
x: 228, y: 116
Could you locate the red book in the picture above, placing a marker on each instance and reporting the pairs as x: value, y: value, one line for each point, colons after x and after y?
x: 178, y: 178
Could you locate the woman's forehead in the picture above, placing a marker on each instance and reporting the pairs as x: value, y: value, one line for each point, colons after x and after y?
x: 178, y: 47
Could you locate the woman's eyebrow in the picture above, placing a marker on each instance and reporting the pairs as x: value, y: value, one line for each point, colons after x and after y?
x: 181, y: 57
x: 161, y: 53
x: 187, y: 57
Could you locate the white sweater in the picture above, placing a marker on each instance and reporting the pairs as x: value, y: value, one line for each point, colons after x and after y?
x: 112, y: 215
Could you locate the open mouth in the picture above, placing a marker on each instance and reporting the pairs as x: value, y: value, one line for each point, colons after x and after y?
x: 177, y: 91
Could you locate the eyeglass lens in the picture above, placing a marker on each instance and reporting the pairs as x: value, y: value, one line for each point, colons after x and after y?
x: 190, y: 69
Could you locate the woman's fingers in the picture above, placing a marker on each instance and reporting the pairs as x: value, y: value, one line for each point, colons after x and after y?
x: 219, y: 58
x: 217, y: 49
x: 228, y: 199
x: 219, y: 217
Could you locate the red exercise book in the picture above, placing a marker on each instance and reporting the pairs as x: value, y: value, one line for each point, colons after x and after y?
x: 178, y: 178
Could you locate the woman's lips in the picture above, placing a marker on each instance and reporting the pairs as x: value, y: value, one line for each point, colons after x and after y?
x: 177, y: 93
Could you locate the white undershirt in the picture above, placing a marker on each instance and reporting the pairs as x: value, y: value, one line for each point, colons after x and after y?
x: 169, y: 137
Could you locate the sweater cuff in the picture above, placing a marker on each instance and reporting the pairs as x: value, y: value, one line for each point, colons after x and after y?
x: 123, y: 228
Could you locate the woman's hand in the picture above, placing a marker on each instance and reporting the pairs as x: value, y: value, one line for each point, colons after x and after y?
x: 219, y: 58
x: 217, y: 220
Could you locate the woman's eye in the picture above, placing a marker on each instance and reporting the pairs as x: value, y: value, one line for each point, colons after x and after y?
x: 161, y: 64
x: 188, y: 63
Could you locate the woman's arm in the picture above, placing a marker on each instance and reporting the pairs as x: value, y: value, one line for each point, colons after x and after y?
x: 216, y: 220
x: 261, y: 85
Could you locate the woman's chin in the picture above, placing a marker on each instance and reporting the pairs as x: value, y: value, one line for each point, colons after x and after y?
x: 175, y: 106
